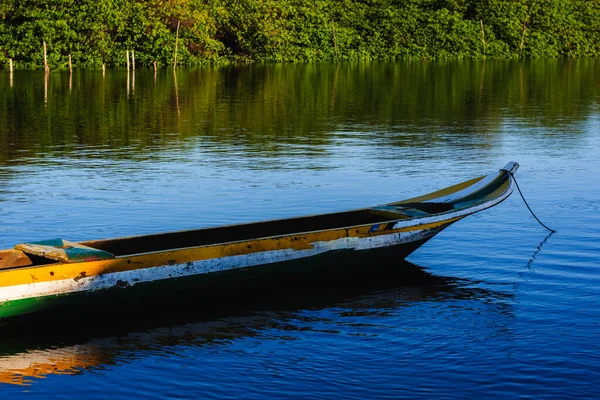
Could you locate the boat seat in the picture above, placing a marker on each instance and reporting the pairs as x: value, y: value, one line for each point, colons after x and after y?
x: 13, y: 259
x: 64, y: 251
x: 411, y: 210
x: 429, y: 207
x: 397, y: 212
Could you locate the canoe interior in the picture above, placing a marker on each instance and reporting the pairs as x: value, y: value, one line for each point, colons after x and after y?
x: 234, y: 233
x: 39, y: 253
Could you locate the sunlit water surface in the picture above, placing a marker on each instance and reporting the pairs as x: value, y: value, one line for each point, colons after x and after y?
x: 492, y: 306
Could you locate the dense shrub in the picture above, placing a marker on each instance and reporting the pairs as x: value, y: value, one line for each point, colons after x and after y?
x: 99, y: 32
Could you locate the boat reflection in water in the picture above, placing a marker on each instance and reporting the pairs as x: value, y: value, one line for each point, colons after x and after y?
x: 87, y: 343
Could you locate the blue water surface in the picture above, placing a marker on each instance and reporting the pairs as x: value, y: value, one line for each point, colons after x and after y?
x: 492, y: 307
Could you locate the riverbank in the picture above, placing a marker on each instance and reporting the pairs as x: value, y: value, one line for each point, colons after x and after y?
x: 100, y: 33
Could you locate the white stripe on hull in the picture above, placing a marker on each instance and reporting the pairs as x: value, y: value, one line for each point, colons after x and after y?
x: 133, y: 277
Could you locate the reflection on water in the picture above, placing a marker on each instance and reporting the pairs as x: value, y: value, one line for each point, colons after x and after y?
x: 274, y: 311
x: 537, y: 250
x: 116, y: 154
x: 287, y: 108
x: 268, y: 141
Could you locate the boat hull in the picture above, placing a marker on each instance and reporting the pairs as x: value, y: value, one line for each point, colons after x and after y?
x: 202, y: 289
x: 40, y: 276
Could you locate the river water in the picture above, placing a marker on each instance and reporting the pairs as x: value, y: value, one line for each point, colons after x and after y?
x: 493, y: 306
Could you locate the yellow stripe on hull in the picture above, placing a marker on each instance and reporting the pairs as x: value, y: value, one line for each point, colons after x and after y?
x: 62, y: 271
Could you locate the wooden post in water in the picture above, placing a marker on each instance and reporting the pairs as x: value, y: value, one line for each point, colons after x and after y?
x: 334, y: 40
x: 103, y: 69
x: 46, y: 75
x: 10, y: 65
x: 154, y: 63
x: 176, y: 93
x: 70, y: 74
x: 482, y: 37
x: 127, y: 58
x: 46, y: 68
x: 176, y: 40
x: 132, y: 60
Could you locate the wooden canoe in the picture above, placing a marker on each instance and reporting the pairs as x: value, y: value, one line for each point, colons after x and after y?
x: 40, y: 276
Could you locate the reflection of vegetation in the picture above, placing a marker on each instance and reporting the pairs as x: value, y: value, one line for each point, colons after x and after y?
x: 100, y: 31
x: 261, y: 107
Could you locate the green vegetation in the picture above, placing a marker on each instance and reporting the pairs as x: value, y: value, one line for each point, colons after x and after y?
x: 97, y: 32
